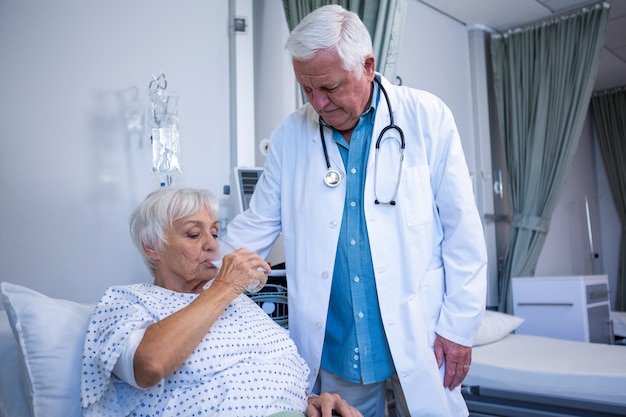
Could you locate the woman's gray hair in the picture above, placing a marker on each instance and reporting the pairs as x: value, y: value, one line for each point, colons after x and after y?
x: 150, y: 221
x: 332, y: 27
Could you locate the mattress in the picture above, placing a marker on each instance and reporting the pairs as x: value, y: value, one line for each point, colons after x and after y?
x: 553, y: 367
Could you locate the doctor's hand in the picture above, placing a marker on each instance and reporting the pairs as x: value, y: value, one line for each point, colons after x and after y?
x: 327, y: 405
x: 457, y: 359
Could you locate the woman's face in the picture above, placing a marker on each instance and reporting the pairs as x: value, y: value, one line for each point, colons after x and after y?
x: 184, y: 262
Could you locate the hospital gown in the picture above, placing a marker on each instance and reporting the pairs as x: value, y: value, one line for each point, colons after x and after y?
x: 246, y: 365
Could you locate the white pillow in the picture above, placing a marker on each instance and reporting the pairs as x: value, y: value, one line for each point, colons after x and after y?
x: 495, y: 326
x: 51, y: 334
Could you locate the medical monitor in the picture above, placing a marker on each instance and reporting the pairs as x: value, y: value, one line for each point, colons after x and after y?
x: 242, y: 183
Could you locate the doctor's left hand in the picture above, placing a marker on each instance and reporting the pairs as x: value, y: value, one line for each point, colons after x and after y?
x: 457, y: 359
x: 327, y: 405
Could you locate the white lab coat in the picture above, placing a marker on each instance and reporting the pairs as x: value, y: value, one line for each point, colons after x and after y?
x: 428, y: 250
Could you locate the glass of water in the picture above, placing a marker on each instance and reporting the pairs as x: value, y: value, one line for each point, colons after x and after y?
x: 223, y: 250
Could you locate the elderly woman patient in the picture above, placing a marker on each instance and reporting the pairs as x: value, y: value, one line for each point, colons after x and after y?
x: 191, y: 343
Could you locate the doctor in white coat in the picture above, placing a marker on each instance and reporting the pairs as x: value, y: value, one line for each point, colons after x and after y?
x: 409, y: 207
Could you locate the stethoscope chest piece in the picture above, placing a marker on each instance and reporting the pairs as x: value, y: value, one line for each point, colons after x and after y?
x: 332, y: 178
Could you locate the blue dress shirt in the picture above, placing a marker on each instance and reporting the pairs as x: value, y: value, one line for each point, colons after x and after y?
x: 355, y: 346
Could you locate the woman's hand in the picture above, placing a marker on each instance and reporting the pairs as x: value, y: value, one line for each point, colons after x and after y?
x: 327, y: 405
x: 241, y: 268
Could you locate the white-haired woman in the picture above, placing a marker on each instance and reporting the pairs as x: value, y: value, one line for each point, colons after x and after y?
x: 191, y: 343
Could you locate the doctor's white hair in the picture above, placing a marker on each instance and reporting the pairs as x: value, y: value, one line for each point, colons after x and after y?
x: 150, y: 221
x: 332, y: 27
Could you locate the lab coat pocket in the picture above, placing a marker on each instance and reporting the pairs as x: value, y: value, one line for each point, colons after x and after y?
x: 416, y: 195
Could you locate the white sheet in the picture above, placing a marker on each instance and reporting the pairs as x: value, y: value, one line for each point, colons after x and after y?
x: 555, y: 367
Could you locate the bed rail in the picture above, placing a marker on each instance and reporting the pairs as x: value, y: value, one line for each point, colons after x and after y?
x: 483, y: 402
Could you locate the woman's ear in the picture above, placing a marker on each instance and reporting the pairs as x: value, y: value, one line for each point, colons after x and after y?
x: 151, y: 253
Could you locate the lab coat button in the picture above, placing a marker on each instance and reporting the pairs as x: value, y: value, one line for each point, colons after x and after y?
x: 318, y: 325
x: 324, y: 275
x: 332, y: 225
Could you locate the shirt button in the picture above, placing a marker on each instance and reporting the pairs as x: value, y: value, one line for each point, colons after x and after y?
x: 357, y: 279
x: 356, y: 350
x: 353, y: 242
x: 355, y: 366
x: 361, y: 314
x: 356, y: 357
x: 353, y: 170
x: 353, y: 204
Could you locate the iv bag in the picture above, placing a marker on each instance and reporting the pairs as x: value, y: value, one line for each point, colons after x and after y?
x: 165, y: 150
x: 165, y: 137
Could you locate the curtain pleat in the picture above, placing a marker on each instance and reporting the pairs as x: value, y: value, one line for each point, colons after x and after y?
x: 609, y: 112
x: 384, y: 20
x: 543, y: 80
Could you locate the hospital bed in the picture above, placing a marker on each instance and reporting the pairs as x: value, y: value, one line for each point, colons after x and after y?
x: 510, y: 375
x: 525, y: 375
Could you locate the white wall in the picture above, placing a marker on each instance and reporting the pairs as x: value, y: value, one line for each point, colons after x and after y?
x: 275, y: 83
x: 72, y: 170
x: 434, y: 56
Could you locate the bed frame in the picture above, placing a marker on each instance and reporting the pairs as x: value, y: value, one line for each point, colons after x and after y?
x: 483, y: 402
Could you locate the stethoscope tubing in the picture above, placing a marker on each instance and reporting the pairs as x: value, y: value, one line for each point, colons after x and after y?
x: 332, y: 177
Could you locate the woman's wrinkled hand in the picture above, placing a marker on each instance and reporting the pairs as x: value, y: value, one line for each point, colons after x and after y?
x: 241, y: 268
x: 327, y: 405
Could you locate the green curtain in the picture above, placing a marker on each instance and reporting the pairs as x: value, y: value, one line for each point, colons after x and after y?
x: 384, y: 20
x: 609, y: 111
x: 543, y: 79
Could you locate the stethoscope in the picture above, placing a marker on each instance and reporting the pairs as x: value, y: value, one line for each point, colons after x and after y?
x: 332, y: 177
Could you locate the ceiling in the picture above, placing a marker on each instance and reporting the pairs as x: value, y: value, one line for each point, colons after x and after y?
x: 501, y: 15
